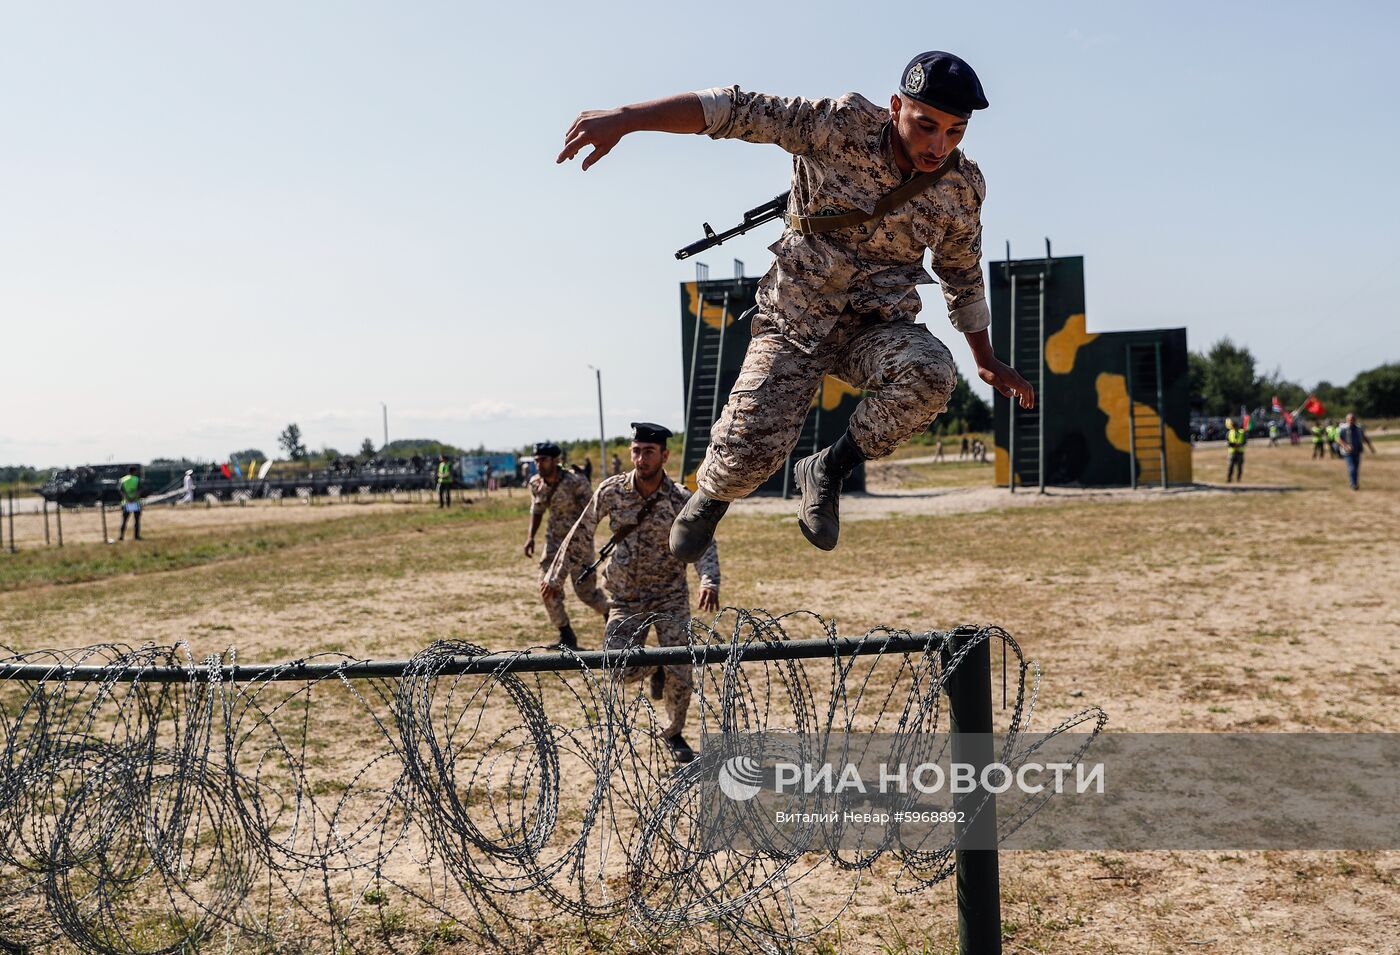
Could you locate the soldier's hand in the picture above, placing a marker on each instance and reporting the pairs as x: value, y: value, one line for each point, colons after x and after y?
x: 599, y: 128
x: 548, y: 591
x: 1007, y: 381
x: 530, y: 547
x: 709, y: 599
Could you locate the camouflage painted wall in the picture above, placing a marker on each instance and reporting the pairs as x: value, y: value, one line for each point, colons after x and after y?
x: 723, y: 304
x: 1084, y: 397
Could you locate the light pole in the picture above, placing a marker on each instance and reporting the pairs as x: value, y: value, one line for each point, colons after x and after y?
x: 602, y: 435
x: 386, y: 426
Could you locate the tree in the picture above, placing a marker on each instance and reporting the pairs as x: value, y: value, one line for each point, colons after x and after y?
x: 1290, y: 394
x: 1377, y: 392
x: 1333, y: 397
x: 290, y: 441
x: 247, y: 454
x: 367, y: 449
x: 967, y: 406
x: 1197, y: 371
x: 1229, y: 380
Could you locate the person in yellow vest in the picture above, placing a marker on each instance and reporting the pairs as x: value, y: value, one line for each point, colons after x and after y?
x: 1332, y: 431
x: 1235, y: 438
x: 130, y: 489
x: 1319, y: 438
x: 444, y: 481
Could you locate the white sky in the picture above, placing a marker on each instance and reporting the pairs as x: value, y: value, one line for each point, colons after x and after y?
x: 219, y: 218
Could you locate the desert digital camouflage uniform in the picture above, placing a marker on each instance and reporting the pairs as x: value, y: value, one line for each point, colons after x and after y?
x: 646, y: 584
x: 844, y: 302
x: 565, y: 503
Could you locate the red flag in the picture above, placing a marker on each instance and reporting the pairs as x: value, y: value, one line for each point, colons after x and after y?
x: 1314, y: 407
x: 224, y: 467
x: 1278, y: 408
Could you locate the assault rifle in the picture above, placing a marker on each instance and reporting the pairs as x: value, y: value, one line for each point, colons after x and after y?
x: 770, y: 210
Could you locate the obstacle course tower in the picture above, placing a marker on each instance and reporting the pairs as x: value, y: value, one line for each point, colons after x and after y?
x: 1113, y: 408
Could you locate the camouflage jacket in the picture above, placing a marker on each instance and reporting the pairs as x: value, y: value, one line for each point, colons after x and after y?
x: 641, y: 568
x: 843, y: 160
x: 565, y: 503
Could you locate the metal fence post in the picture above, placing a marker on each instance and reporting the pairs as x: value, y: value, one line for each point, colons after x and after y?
x: 978, y: 870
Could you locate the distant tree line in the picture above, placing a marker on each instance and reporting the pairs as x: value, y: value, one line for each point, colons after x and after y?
x: 1225, y: 379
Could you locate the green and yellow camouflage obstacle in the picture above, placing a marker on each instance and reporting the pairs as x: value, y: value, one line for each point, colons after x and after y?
x: 1113, y: 408
x: 710, y: 364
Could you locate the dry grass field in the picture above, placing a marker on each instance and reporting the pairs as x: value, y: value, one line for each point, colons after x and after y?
x: 1272, y: 605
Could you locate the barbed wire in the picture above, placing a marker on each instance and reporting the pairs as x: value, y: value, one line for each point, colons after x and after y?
x: 500, y: 809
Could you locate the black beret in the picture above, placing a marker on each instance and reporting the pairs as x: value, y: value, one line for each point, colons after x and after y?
x: 648, y: 433
x: 547, y: 449
x: 943, y: 81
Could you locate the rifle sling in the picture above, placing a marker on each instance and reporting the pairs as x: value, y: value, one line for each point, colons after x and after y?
x: 809, y: 225
x: 621, y: 534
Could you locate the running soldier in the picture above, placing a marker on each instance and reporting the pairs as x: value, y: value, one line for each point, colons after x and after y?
x: 646, y: 585
x: 872, y: 189
x: 564, y: 495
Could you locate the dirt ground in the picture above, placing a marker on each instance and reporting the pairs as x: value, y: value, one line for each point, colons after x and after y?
x: 1272, y: 605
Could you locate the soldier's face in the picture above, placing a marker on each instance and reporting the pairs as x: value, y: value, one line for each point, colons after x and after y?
x: 648, y: 459
x: 926, y: 135
x: 546, y: 464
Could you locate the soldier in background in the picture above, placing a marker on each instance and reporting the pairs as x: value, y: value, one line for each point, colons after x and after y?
x: 616, y: 466
x: 564, y: 495
x: 842, y: 295
x: 646, y: 584
x: 130, y: 489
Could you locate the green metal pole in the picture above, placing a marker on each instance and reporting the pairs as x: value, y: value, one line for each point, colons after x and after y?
x: 978, y: 870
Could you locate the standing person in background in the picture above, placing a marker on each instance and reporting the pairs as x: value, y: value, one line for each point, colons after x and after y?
x: 616, y: 466
x: 1351, y: 436
x: 938, y: 450
x: 1273, y: 434
x: 1235, y: 438
x: 444, y: 482
x: 564, y: 495
x: 588, y: 469
x: 188, y: 496
x: 964, y: 450
x: 130, y: 489
x: 1332, y: 430
x: 1319, y: 437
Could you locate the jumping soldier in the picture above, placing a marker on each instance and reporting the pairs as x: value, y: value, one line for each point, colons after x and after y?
x: 564, y: 495
x: 646, y: 584
x: 872, y: 188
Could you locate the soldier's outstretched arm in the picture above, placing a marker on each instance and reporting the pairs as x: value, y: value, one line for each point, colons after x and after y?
x: 602, y: 128
x: 563, y: 565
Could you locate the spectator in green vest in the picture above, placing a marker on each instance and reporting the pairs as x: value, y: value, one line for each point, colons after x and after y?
x: 1235, y: 438
x: 130, y: 488
x: 444, y: 481
x: 1332, y: 431
x: 1319, y: 440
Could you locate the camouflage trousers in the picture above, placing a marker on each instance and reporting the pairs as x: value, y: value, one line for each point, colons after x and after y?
x: 628, y: 625
x: 908, y: 373
x: 588, y: 591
